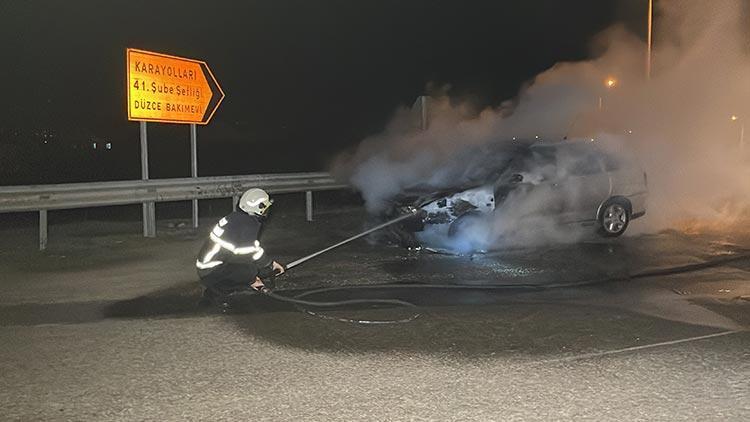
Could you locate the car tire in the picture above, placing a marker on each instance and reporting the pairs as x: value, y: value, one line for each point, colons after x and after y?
x: 614, y: 217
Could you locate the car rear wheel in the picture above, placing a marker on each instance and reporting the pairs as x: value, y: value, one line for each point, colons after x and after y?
x: 614, y: 218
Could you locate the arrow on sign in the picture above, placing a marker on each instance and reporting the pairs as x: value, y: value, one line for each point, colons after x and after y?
x: 170, y: 89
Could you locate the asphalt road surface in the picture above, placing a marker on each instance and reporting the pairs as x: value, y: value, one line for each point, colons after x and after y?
x: 105, y: 326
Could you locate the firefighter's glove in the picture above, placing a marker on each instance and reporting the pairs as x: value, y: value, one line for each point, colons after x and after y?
x: 278, y: 269
x: 258, y: 284
x: 269, y: 283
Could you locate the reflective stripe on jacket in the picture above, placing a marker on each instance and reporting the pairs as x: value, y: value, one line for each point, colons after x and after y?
x: 234, y: 239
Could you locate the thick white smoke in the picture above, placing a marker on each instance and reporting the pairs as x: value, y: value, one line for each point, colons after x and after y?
x: 678, y: 122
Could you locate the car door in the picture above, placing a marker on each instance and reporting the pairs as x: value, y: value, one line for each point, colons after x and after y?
x: 530, y: 187
x: 583, y: 183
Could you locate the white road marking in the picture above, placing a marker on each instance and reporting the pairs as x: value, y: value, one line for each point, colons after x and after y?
x: 643, y: 347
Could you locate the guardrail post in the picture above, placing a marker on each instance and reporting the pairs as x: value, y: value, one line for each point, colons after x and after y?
x: 149, y: 219
x: 235, y: 201
x: 309, y: 205
x: 42, y: 230
x: 194, y: 168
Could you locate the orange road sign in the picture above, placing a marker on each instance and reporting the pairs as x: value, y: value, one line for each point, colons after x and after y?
x: 169, y: 89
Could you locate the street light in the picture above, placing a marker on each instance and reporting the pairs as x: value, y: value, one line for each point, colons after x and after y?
x: 609, y: 83
x: 734, y: 118
x: 649, y: 39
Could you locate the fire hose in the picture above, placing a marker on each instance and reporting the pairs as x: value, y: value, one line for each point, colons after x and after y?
x: 412, y: 213
x: 298, y: 301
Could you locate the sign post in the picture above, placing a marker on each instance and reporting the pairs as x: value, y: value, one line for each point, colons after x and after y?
x: 149, y: 208
x: 169, y: 89
x: 194, y: 168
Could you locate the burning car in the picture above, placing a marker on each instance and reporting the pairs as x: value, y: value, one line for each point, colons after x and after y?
x: 569, y: 182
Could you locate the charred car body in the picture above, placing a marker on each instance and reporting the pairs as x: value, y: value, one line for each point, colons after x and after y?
x: 569, y: 182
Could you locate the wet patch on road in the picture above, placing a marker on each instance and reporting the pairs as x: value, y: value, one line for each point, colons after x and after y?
x: 520, y: 329
x: 678, y: 292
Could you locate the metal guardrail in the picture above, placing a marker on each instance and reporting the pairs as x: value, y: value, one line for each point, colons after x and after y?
x: 42, y: 198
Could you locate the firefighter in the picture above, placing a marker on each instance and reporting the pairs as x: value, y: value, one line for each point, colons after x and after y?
x: 232, y: 258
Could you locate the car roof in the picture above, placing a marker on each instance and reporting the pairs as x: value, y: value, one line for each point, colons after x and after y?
x: 565, y: 143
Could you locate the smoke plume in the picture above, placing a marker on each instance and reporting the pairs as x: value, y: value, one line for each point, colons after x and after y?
x: 678, y: 122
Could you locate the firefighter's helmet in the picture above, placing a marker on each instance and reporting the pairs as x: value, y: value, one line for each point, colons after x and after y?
x: 255, y: 201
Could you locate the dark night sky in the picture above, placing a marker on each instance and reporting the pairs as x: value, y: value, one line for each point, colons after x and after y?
x: 304, y: 79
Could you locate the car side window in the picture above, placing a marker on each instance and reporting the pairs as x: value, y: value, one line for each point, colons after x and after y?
x: 586, y: 165
x: 611, y: 163
x: 542, y: 165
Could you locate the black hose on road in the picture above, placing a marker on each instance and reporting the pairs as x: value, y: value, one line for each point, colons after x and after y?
x: 299, y: 302
x: 295, y: 300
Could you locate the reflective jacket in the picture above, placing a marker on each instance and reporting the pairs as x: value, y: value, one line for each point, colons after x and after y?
x: 234, y: 240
